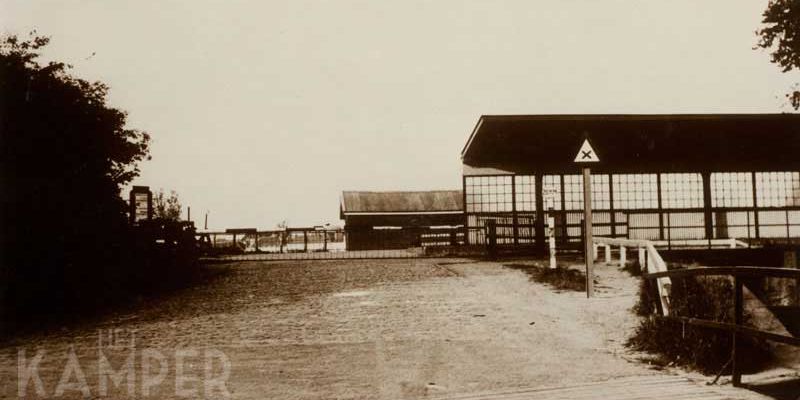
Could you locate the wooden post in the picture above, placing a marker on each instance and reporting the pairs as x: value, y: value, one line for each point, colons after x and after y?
x: 736, y: 373
x: 660, y: 209
x: 324, y: 240
x: 466, y: 208
x: 514, y: 218
x: 612, y: 214
x: 622, y: 256
x: 551, y: 233
x: 540, y: 218
x: 755, y: 208
x: 491, y: 232
x: 707, y: 214
x: 607, y: 250
x: 642, y: 262
x: 305, y: 241
x: 587, y: 218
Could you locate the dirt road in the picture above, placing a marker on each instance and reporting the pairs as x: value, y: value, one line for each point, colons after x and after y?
x: 346, y: 329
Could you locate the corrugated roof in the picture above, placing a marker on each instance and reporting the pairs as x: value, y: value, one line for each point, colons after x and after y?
x: 392, y: 202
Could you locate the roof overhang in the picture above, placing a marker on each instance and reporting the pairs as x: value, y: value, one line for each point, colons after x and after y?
x: 636, y: 143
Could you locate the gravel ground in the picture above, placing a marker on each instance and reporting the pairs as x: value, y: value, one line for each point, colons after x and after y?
x: 349, y: 329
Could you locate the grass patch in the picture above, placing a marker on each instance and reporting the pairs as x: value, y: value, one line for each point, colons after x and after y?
x: 702, y: 349
x: 559, y: 278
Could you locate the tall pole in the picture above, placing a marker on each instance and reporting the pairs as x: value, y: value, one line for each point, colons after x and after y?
x: 588, y: 253
x: 205, y: 225
x: 586, y: 154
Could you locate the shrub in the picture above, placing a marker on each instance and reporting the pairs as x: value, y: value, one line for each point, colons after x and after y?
x: 560, y: 278
x: 704, y: 349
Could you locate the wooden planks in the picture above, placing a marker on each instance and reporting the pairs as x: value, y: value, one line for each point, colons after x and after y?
x: 629, y: 388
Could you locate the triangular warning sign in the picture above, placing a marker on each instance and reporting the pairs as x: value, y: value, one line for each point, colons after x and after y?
x: 586, y: 153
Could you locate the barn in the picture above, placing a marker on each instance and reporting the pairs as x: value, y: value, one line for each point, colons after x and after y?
x: 659, y: 177
x: 397, y: 219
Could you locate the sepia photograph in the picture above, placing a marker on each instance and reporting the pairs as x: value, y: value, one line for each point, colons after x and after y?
x: 416, y: 199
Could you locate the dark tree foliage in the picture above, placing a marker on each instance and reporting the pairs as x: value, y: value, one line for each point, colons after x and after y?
x: 167, y: 206
x: 64, y: 156
x: 781, y: 35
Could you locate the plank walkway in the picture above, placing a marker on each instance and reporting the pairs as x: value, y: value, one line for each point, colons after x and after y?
x: 651, y: 387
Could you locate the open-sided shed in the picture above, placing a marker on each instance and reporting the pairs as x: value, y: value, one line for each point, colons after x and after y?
x: 660, y: 177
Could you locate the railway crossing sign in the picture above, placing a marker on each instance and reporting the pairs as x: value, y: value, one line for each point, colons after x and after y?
x: 586, y: 153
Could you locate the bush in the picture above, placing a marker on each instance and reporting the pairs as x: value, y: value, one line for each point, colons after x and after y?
x: 560, y: 278
x: 703, y: 349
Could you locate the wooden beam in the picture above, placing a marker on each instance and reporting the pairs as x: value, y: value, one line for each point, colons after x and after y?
x: 733, y: 271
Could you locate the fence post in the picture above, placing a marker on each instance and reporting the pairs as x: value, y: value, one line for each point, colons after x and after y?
x: 594, y: 252
x: 305, y: 241
x: 736, y: 373
x: 607, y: 249
x: 622, y: 256
x: 642, y: 259
x: 491, y: 228
x: 255, y: 239
x: 551, y: 233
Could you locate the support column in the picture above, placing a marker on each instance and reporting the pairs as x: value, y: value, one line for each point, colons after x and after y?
x: 539, y: 223
x: 707, y: 205
x: 464, y: 203
x: 612, y: 217
x: 514, y: 219
x: 755, y: 207
x: 660, y: 209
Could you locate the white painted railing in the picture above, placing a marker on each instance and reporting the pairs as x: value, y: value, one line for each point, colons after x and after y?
x: 731, y: 243
x: 649, y: 260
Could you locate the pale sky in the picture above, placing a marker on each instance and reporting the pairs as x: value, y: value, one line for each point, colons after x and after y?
x: 262, y: 111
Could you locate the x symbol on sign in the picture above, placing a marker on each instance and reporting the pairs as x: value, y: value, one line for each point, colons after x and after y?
x: 586, y: 154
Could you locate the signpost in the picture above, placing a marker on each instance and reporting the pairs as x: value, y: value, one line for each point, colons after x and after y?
x: 587, y: 155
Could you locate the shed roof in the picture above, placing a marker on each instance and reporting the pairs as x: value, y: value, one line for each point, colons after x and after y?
x: 665, y: 142
x: 435, y: 201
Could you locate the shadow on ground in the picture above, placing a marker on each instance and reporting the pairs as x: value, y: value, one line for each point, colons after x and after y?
x: 788, y: 389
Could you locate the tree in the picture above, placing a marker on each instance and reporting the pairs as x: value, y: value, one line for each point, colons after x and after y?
x: 64, y: 156
x: 781, y: 35
x: 167, y: 207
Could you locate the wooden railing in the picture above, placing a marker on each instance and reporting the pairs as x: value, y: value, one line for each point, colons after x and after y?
x: 736, y: 328
x: 649, y: 260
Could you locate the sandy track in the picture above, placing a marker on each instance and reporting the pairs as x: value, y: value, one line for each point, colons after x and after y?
x: 363, y: 329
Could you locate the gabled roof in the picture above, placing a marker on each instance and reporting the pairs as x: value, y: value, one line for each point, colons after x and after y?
x: 436, y: 201
x: 663, y: 142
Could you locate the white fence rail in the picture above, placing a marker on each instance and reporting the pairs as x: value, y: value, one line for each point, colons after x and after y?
x: 649, y: 259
